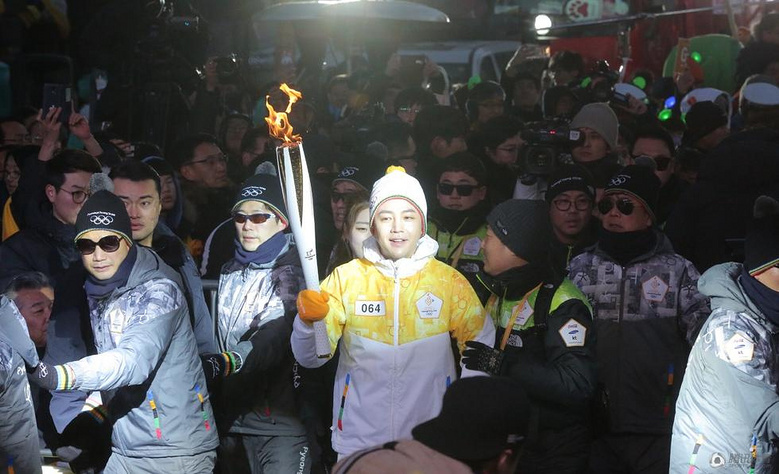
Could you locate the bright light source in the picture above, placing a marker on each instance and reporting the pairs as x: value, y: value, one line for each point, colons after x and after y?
x: 542, y: 24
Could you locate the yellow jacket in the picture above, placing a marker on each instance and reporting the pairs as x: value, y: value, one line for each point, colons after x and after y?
x: 394, y: 321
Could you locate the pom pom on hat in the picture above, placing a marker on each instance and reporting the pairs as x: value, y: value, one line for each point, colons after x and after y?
x: 397, y: 184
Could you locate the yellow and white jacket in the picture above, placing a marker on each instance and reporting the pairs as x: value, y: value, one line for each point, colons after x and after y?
x: 394, y: 320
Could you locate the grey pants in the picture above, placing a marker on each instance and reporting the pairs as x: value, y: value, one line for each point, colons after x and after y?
x: 243, y: 454
x: 202, y: 463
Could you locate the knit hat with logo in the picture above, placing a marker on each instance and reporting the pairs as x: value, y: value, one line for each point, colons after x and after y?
x: 266, y: 189
x: 639, y: 182
x: 363, y: 174
x: 104, y: 211
x: 396, y: 184
x: 523, y: 226
x: 599, y: 117
x: 569, y: 178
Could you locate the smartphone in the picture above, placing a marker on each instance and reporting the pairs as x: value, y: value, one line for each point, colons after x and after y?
x: 411, y: 69
x: 58, y: 95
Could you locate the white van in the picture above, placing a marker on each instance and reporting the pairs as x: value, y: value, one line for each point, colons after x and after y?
x: 465, y: 59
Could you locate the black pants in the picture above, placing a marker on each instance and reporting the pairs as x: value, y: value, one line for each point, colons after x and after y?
x: 627, y: 453
x: 562, y: 451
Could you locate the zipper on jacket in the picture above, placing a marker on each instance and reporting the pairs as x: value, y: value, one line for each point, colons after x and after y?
x: 155, y: 414
x: 396, y: 326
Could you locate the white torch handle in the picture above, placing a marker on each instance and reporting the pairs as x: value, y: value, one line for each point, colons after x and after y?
x: 304, y: 232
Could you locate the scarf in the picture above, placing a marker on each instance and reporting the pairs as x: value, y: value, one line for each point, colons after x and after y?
x: 624, y: 247
x: 267, y: 252
x: 766, y: 299
x: 515, y: 282
x: 461, y: 222
x: 98, y: 289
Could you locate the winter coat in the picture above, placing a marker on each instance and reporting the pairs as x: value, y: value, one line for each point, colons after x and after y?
x: 728, y: 408
x: 709, y: 220
x: 647, y: 314
x: 394, y: 320
x: 176, y: 255
x: 19, y: 447
x: 256, y: 307
x: 147, y: 366
x: 555, y: 363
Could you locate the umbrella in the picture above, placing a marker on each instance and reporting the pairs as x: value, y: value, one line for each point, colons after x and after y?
x: 397, y: 10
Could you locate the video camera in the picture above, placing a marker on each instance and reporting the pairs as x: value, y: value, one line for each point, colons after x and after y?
x: 228, y: 68
x: 598, y: 86
x: 547, y: 144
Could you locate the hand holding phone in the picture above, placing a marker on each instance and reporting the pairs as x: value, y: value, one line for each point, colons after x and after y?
x: 58, y: 96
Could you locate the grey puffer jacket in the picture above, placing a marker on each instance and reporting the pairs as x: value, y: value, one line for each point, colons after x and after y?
x: 19, y: 447
x: 647, y: 315
x: 256, y: 310
x: 728, y: 403
x: 147, y: 366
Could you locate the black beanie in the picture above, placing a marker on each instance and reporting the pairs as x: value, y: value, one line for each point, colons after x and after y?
x: 569, y: 178
x: 104, y: 211
x: 640, y: 182
x: 363, y: 174
x: 523, y: 226
x: 761, y: 248
x: 702, y: 119
x: 264, y: 188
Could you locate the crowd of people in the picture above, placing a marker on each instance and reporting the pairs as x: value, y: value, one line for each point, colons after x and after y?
x: 530, y: 276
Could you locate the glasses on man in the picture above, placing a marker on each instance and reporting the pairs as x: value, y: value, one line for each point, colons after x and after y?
x: 624, y: 206
x: 109, y: 244
x: 564, y: 205
x: 258, y: 218
x: 463, y: 190
x: 78, y: 196
x: 409, y: 110
x: 662, y: 162
x: 338, y: 197
x: 212, y: 160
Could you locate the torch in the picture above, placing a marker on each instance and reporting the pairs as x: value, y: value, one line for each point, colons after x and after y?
x: 296, y: 189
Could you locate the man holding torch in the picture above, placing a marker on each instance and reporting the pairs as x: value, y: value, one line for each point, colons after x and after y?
x: 394, y: 312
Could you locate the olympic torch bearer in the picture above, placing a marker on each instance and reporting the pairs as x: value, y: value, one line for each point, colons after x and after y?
x: 296, y: 189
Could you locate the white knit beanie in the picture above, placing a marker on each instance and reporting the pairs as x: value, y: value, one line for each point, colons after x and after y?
x: 599, y: 117
x: 397, y: 184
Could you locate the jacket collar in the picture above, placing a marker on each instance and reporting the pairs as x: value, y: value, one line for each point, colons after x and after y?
x: 405, y: 267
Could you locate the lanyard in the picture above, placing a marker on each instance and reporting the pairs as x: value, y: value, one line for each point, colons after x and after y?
x: 514, y: 315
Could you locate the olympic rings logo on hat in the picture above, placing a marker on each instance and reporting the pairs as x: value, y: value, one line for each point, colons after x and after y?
x: 252, y: 191
x: 348, y: 171
x: 619, y: 179
x: 101, y: 219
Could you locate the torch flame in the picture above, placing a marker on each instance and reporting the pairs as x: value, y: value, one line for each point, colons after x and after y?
x: 278, y: 122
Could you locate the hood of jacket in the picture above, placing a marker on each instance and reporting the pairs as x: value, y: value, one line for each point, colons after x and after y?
x: 13, y: 332
x: 148, y: 266
x: 426, y: 249
x: 720, y: 283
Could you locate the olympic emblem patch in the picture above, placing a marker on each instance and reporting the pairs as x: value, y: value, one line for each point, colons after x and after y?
x: 252, y: 191
x: 101, y: 218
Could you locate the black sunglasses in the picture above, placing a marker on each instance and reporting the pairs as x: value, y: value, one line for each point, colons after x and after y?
x: 624, y: 206
x: 661, y: 162
x: 462, y: 189
x: 109, y: 243
x: 255, y: 218
x: 336, y: 196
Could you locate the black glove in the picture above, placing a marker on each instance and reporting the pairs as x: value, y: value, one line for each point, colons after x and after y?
x: 44, y: 376
x: 217, y: 366
x: 482, y: 357
x: 86, y: 441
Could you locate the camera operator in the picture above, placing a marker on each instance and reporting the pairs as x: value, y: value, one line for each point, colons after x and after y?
x: 548, y: 144
x: 599, y: 127
x: 221, y: 91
